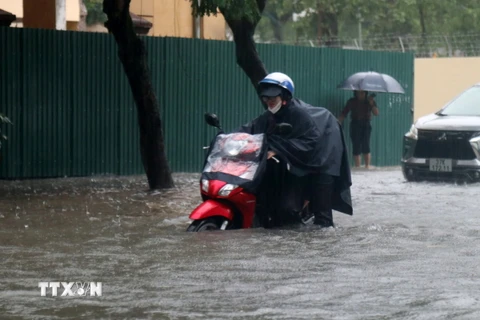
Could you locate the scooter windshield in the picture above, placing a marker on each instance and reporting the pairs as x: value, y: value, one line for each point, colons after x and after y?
x: 236, y: 154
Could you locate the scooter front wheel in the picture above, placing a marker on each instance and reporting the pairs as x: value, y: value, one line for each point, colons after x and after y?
x: 209, y: 224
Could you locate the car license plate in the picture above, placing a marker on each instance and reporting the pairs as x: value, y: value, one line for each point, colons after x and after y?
x: 441, y: 165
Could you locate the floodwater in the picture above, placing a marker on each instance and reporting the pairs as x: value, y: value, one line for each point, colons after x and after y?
x: 410, y: 251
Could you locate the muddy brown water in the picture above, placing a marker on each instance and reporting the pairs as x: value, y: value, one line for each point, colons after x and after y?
x: 410, y: 251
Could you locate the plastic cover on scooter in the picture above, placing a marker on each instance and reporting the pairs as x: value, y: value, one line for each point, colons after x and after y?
x: 237, y: 158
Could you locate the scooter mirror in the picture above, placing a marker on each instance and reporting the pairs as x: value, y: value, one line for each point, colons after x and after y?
x: 283, y: 128
x: 212, y: 120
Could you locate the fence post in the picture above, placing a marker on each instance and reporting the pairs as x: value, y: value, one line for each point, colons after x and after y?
x: 401, y: 44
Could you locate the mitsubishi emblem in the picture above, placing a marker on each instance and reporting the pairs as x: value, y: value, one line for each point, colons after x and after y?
x: 443, y: 137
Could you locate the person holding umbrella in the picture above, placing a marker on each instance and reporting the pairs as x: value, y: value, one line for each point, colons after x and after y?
x: 361, y: 106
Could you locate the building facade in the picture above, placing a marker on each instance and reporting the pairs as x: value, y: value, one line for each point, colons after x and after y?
x: 172, y: 18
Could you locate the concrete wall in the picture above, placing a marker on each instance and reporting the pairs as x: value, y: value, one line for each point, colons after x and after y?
x: 439, y: 80
x: 98, y: 27
x: 214, y: 27
x: 172, y: 18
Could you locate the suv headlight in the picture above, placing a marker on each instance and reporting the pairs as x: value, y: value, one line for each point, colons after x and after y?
x: 412, y: 133
x: 226, y: 189
x: 475, y: 143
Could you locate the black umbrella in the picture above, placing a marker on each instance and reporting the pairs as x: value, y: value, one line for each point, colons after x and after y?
x: 371, y: 81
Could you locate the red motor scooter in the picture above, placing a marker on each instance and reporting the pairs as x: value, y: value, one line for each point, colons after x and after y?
x: 232, y: 172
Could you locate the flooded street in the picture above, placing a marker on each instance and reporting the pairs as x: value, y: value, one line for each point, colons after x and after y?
x: 410, y: 251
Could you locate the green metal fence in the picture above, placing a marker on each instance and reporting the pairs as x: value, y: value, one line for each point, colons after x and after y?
x: 74, y: 114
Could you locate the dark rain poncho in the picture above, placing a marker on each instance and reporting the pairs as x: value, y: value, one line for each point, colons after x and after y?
x: 315, y: 145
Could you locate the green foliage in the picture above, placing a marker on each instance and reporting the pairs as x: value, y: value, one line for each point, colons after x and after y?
x: 95, y: 12
x: 340, y: 18
x: 233, y: 9
x: 3, y: 120
x: 277, y: 23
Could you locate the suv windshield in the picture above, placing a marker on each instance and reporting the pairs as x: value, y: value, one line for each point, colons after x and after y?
x: 466, y: 104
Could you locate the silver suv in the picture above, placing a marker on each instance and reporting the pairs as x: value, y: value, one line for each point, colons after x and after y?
x: 446, y: 144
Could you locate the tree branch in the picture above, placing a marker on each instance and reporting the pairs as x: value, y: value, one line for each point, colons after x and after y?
x: 285, y: 17
x: 276, y: 25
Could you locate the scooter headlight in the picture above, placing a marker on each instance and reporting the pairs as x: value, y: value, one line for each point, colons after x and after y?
x: 226, y: 189
x: 205, y: 185
x: 412, y: 133
x: 233, y: 148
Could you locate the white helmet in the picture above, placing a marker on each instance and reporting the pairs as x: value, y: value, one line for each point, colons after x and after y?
x: 278, y: 79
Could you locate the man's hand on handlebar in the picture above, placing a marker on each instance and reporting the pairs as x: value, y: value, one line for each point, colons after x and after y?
x: 271, y: 155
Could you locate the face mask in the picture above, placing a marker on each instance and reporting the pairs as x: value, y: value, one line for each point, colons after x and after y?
x: 276, y: 108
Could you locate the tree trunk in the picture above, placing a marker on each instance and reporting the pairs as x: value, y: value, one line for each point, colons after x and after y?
x: 332, y: 29
x: 246, y: 51
x: 278, y: 32
x: 421, y: 13
x: 319, y: 23
x: 278, y: 23
x: 132, y: 54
